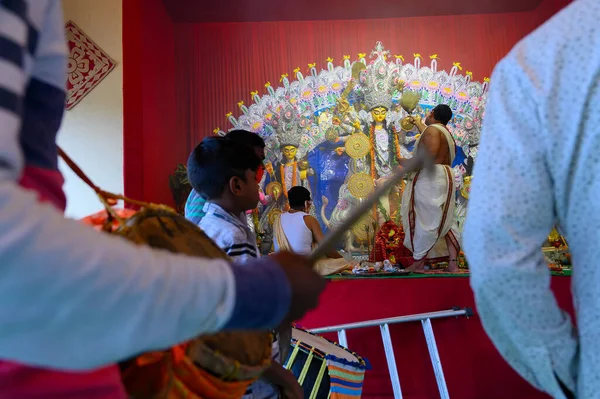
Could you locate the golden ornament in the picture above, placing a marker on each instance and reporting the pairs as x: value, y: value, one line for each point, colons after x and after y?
x: 466, y: 188
x: 358, y: 145
x: 332, y: 134
x: 360, y: 185
x: 363, y: 229
x: 407, y: 124
x: 274, y: 189
x: 554, y: 235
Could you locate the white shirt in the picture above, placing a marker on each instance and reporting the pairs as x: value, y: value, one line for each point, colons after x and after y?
x: 539, y: 164
x: 297, y: 232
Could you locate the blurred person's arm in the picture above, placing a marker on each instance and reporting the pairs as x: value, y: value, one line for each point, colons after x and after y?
x: 313, y: 225
x: 511, y: 212
x: 71, y: 297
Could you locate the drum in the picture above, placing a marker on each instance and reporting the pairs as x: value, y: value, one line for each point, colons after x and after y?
x: 219, y: 366
x: 323, y: 368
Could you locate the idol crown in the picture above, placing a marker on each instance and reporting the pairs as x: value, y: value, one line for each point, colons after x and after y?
x: 290, y: 125
x: 379, y: 80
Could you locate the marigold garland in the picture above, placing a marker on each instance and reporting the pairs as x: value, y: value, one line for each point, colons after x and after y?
x: 372, y: 137
x: 397, y: 142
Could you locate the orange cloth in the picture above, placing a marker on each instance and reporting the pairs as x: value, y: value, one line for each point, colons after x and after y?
x: 98, y: 219
x: 172, y: 375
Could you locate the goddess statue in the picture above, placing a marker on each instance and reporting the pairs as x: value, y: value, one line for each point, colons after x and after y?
x: 375, y: 144
x: 287, y: 170
x: 347, y: 120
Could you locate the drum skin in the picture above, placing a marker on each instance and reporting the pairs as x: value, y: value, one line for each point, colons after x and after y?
x: 229, y: 356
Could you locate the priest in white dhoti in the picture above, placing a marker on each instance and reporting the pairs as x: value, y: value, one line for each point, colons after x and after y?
x: 428, y: 199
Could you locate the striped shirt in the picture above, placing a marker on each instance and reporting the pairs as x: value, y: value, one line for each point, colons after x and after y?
x: 230, y: 233
x: 194, y: 207
x: 70, y: 297
x: 233, y: 235
x: 43, y: 109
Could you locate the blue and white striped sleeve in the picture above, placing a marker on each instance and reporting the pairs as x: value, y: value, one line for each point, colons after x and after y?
x: 16, y: 60
x: 70, y: 297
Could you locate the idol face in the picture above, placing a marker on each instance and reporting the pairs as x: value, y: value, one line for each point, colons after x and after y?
x: 379, y: 114
x: 289, y: 153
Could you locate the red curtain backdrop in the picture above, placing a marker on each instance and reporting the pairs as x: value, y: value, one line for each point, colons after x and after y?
x: 151, y: 149
x: 220, y: 64
x: 180, y: 80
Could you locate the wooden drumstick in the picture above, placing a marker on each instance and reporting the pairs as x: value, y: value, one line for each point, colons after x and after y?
x: 421, y: 160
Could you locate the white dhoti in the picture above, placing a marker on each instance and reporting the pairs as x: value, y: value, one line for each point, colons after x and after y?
x: 428, y: 205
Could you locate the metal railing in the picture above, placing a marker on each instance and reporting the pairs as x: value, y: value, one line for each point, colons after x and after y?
x: 384, y: 327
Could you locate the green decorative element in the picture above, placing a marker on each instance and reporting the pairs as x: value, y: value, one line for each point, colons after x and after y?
x: 398, y: 220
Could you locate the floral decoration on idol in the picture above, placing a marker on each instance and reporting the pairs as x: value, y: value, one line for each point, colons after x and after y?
x: 321, y: 108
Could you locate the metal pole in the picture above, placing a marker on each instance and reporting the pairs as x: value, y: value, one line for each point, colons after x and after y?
x: 384, y: 326
x: 342, y: 340
x: 435, y: 359
x: 395, y: 320
x: 391, y: 360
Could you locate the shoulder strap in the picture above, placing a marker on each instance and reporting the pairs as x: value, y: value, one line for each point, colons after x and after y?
x: 449, y: 139
x: 282, y: 241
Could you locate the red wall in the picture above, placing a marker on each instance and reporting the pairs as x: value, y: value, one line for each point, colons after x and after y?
x: 191, y: 75
x: 149, y: 105
x: 236, y: 58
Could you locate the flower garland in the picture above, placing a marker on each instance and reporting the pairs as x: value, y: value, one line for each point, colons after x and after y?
x: 397, y: 143
x: 372, y: 137
x: 294, y: 177
x: 256, y: 222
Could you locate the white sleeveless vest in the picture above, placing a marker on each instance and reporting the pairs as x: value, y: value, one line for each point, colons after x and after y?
x: 298, y: 234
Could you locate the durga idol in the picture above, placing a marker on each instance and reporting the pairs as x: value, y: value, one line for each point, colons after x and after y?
x: 290, y: 171
x: 379, y: 81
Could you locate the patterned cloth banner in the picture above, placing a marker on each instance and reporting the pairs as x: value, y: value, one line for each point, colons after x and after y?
x: 87, y: 65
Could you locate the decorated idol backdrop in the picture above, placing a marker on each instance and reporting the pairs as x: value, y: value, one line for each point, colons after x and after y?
x: 340, y: 130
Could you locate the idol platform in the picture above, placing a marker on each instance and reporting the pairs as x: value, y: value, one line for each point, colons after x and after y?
x: 472, y: 367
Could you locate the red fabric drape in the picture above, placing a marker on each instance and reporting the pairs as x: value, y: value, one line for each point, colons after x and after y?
x: 220, y: 64
x: 151, y: 149
x: 180, y: 80
x: 473, y: 368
